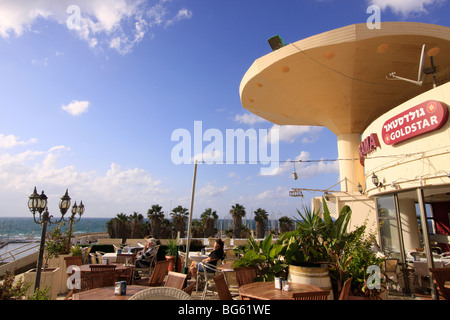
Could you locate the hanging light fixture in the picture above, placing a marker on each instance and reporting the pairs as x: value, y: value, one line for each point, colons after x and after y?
x: 360, y: 188
x: 375, y: 180
x: 295, y: 173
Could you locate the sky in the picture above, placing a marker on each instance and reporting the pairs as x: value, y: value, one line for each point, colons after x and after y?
x: 94, y: 92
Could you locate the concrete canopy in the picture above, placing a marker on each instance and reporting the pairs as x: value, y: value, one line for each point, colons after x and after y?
x: 337, y: 79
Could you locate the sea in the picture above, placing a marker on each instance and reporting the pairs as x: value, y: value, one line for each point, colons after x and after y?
x: 15, y: 231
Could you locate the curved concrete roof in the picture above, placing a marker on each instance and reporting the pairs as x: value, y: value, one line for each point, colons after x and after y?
x: 337, y: 79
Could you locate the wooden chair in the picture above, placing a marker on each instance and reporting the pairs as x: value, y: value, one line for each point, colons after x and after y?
x: 175, y: 280
x: 105, y: 275
x: 391, y: 272
x: 245, y: 275
x: 73, y: 261
x: 345, y: 289
x: 126, y: 275
x: 222, y: 287
x: 311, y: 295
x: 86, y: 283
x: 157, y: 277
x: 148, y: 270
x: 189, y: 288
x: 440, y: 276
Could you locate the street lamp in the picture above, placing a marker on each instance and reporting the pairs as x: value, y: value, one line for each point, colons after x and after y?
x: 75, y: 209
x: 38, y: 203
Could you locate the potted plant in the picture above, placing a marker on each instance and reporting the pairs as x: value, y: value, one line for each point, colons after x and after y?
x: 265, y: 256
x: 172, y: 255
x: 353, y: 258
x: 57, y: 248
x: 305, y: 248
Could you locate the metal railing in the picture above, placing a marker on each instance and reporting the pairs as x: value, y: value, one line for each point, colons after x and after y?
x: 19, y: 252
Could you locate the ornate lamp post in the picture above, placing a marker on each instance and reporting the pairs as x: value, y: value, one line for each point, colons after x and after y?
x: 75, y: 209
x: 38, y: 203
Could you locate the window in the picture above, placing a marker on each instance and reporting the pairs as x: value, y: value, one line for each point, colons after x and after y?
x: 430, y: 218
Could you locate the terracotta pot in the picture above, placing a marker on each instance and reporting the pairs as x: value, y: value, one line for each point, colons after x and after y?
x: 172, y: 263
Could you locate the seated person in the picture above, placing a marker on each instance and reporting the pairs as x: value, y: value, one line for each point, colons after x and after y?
x: 215, y: 255
x: 145, y: 257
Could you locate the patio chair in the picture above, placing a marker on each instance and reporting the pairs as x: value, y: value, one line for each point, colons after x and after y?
x: 440, y: 276
x: 93, y: 258
x: 157, y: 276
x: 86, y: 283
x: 161, y: 293
x: 245, y: 275
x: 189, y: 288
x: 126, y: 275
x: 345, y: 289
x: 105, y: 275
x: 391, y: 273
x: 311, y: 295
x: 222, y: 287
x: 148, y: 270
x: 208, y: 276
x: 230, y: 278
x: 175, y: 280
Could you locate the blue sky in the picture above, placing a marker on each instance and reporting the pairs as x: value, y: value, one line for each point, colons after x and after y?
x: 92, y: 108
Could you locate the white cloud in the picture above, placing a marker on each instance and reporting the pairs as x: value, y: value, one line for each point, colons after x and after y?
x: 76, y: 108
x: 118, y: 24
x: 116, y: 189
x: 183, y: 14
x: 11, y: 141
x: 212, y: 191
x: 406, y: 7
x: 290, y: 133
x: 248, y: 118
x: 306, y: 169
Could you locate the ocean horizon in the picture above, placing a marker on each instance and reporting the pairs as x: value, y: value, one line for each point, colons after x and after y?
x: 22, y: 228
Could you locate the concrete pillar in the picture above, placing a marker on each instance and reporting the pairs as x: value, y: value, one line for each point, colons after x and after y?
x: 348, y: 145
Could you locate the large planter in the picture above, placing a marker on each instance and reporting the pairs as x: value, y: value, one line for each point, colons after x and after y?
x: 172, y: 264
x: 61, y: 276
x: 48, y: 277
x: 317, y: 276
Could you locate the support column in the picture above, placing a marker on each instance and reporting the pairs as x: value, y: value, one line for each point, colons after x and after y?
x: 348, y: 145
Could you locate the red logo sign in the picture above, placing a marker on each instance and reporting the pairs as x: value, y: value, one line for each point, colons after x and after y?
x: 425, y: 117
x: 368, y: 145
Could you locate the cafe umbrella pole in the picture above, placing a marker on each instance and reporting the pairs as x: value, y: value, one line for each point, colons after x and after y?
x: 186, y: 260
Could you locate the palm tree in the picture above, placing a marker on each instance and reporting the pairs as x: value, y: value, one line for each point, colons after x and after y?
x: 179, y: 216
x: 285, y: 224
x: 137, y: 222
x: 237, y: 212
x: 260, y: 217
x: 118, y: 227
x: 209, y: 219
x: 155, y: 215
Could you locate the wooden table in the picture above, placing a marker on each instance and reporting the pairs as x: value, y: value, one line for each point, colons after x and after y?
x: 107, y: 293
x: 267, y: 291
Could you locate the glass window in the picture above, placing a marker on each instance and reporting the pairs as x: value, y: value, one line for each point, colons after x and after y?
x: 387, y: 220
x: 430, y: 218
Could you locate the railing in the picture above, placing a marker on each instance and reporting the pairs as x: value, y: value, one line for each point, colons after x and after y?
x: 21, y: 251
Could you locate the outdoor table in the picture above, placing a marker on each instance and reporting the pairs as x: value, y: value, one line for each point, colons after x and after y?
x: 197, y: 256
x: 267, y: 291
x: 111, y: 256
x: 107, y: 293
